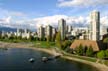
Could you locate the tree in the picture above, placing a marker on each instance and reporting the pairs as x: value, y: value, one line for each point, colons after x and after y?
x: 84, y: 50
x: 106, y: 53
x: 106, y: 41
x: 58, y: 40
x: 53, y: 37
x: 48, y: 38
x: 79, y: 50
x: 101, y: 54
x: 89, y: 51
x: 66, y: 44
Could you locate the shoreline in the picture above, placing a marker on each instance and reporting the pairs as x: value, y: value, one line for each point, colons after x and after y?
x: 98, y: 66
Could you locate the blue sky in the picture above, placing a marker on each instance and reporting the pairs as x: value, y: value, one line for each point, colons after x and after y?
x: 37, y: 8
x: 24, y: 10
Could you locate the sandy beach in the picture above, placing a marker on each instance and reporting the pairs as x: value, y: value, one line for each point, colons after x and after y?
x: 100, y: 67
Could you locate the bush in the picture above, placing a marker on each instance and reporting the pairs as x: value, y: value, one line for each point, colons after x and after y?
x: 58, y: 40
x: 89, y: 51
x: 106, y: 53
x: 66, y: 44
x: 101, y: 54
x: 79, y: 50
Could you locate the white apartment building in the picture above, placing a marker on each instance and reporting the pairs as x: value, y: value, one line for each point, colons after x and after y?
x: 95, y: 26
x: 41, y: 32
x: 62, y: 28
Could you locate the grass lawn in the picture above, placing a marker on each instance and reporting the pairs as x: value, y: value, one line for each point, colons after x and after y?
x: 44, y: 44
x: 106, y: 62
x: 14, y: 40
x: 79, y: 57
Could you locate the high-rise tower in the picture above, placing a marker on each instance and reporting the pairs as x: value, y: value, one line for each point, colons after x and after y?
x: 62, y: 28
x: 95, y: 26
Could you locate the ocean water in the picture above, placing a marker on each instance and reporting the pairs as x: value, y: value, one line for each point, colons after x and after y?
x: 17, y: 59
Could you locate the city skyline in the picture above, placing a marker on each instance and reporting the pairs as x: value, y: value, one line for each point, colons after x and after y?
x: 31, y: 14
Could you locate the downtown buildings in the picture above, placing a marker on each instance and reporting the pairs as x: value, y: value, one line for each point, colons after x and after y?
x: 47, y: 32
x: 93, y: 32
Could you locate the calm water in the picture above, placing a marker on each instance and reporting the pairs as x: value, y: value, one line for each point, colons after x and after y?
x: 16, y: 59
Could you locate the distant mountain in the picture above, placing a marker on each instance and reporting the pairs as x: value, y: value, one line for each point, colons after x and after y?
x: 7, y: 29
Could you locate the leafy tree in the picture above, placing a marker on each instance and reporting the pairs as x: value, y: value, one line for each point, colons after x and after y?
x: 79, y: 50
x: 89, y: 51
x: 84, y: 50
x: 19, y: 37
x: 48, y: 38
x: 106, y: 53
x: 101, y: 54
x: 58, y: 40
x: 66, y: 44
x: 53, y: 37
x: 31, y: 38
x: 106, y: 41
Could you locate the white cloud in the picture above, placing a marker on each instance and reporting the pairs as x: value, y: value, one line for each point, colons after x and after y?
x: 53, y: 20
x: 50, y: 20
x: 6, y: 20
x: 104, y: 20
x: 82, y: 3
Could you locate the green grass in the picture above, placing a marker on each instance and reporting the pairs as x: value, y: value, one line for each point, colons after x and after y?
x: 79, y: 57
x: 44, y: 44
x: 106, y: 62
x: 14, y: 40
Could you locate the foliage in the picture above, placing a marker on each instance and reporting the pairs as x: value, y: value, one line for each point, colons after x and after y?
x: 106, y: 53
x: 53, y: 37
x: 89, y: 51
x: 58, y: 40
x: 84, y: 50
x: 66, y: 44
x: 106, y: 41
x: 79, y: 50
x: 101, y: 54
x: 48, y: 38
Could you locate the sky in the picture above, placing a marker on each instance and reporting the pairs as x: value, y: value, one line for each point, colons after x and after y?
x: 33, y: 13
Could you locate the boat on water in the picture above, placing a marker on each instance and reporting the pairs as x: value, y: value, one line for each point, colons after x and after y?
x: 44, y: 59
x: 31, y: 60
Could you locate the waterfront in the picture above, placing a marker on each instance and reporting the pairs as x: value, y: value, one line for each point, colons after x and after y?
x: 15, y: 59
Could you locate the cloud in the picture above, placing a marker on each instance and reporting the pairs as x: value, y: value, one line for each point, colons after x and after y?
x: 82, y: 3
x: 50, y: 20
x: 80, y: 21
x: 6, y: 20
x: 53, y: 20
x: 104, y: 20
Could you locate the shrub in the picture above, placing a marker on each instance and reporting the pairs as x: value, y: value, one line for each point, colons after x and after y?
x: 89, y: 51
x: 106, y: 53
x: 101, y: 54
x: 79, y: 50
x: 66, y: 44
